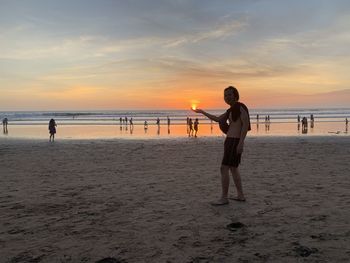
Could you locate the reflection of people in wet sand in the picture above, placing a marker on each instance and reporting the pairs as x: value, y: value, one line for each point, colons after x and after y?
x: 158, y: 129
x: 52, y: 129
x: 238, y: 117
x: 4, y: 125
x: 190, y: 127
x: 168, y: 121
x: 267, y: 123
x: 195, y: 127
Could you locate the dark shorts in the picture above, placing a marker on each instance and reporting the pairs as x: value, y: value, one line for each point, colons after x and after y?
x: 231, y: 157
x: 52, y: 130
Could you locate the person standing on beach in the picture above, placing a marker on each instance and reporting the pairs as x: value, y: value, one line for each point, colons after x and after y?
x: 195, y: 127
x: 4, y: 125
x: 52, y: 129
x: 238, y: 117
x: 190, y: 127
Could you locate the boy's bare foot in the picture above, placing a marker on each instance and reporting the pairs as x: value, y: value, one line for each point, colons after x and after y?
x: 239, y: 199
x: 221, y: 201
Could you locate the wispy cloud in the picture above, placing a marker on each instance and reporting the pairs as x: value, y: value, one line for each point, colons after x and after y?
x: 218, y: 32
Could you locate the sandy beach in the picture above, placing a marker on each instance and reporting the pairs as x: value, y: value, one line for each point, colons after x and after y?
x: 149, y: 201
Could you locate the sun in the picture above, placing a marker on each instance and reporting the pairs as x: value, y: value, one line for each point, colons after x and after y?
x: 194, y: 104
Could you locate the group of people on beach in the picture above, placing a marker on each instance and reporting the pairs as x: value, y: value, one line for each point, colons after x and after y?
x: 192, y: 127
x: 125, y: 122
x: 304, y: 123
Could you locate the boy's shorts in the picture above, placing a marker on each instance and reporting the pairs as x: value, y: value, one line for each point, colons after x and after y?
x: 231, y: 157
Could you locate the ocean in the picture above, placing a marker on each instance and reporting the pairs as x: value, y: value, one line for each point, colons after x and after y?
x: 107, y: 124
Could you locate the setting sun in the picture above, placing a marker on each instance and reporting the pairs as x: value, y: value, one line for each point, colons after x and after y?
x: 194, y: 104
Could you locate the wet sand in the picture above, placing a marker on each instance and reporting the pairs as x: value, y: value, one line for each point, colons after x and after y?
x: 149, y: 201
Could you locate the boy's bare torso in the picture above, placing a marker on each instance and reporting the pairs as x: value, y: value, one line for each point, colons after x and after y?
x: 235, y: 128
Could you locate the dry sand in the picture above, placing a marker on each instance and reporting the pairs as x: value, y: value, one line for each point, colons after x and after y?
x: 149, y: 201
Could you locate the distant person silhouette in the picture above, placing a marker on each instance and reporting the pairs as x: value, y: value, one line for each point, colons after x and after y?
x: 145, y: 126
x: 304, y: 125
x: 257, y: 117
x: 187, y: 125
x: 158, y: 121
x: 346, y: 125
x: 126, y: 121
x: 190, y: 127
x: 120, y: 121
x: 236, y: 131
x: 168, y: 120
x: 195, y: 127
x: 298, y: 118
x: 52, y: 129
x: 4, y: 125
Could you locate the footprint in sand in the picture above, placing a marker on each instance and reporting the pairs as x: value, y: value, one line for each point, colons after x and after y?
x: 110, y: 260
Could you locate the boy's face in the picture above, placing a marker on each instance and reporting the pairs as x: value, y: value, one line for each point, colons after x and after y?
x: 229, y: 97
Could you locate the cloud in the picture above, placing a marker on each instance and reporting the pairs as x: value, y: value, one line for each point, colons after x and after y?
x: 228, y: 29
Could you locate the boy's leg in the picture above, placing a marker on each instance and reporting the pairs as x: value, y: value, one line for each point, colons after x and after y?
x: 225, y: 180
x: 238, y: 183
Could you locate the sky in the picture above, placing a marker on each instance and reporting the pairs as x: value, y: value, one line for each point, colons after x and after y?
x: 167, y: 54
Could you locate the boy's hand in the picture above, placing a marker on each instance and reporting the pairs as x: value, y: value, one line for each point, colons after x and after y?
x: 197, y: 110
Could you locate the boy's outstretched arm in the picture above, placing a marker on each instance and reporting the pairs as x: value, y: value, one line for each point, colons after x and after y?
x: 210, y: 116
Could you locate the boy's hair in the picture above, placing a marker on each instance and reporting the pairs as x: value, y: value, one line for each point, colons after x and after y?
x: 235, y: 91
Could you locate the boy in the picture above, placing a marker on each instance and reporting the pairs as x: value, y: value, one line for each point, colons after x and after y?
x: 238, y: 117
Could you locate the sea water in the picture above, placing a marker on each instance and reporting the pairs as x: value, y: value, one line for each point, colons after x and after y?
x: 112, y: 124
